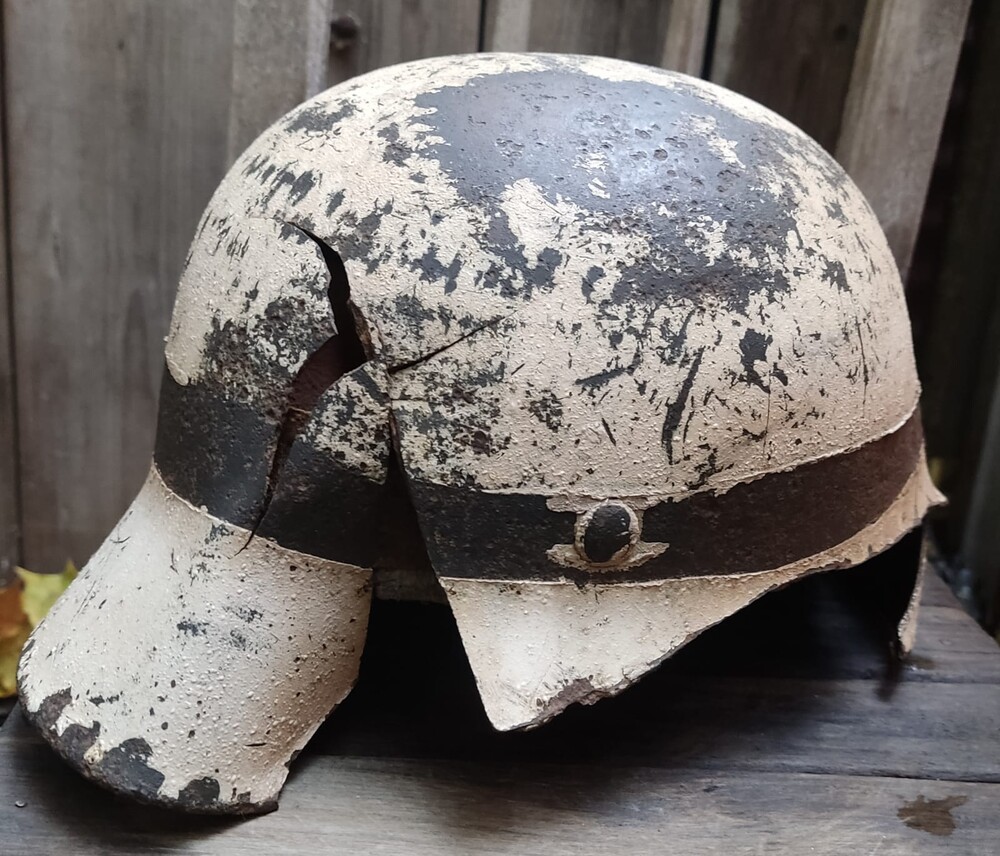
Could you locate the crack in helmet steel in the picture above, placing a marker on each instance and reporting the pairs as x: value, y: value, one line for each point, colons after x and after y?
x: 630, y: 349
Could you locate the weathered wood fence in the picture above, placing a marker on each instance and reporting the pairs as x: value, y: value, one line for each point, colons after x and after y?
x: 120, y: 116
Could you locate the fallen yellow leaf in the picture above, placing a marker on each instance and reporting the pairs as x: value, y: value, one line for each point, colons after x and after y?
x: 10, y: 653
x: 41, y: 591
x: 14, y: 629
x: 12, y: 617
x: 22, y: 605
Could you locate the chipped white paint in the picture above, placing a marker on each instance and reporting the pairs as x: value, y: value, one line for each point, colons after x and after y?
x: 351, y: 425
x: 598, y: 189
x: 725, y: 149
x: 752, y: 415
x: 794, y: 421
x: 536, y: 647
x: 593, y: 161
x: 236, y: 269
x: 709, y: 239
x: 223, y: 655
x: 351, y: 162
x: 638, y: 553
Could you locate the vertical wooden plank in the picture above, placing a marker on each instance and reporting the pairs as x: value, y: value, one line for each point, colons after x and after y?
x: 635, y: 30
x: 981, y: 541
x: 280, y: 54
x: 899, y: 90
x: 507, y: 24
x: 117, y: 134
x: 578, y: 26
x: 795, y: 58
x: 687, y: 35
x: 958, y: 346
x: 643, y: 29
x: 370, y: 34
x: 123, y: 117
x: 9, y: 511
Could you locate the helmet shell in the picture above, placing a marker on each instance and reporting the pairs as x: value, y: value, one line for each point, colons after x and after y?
x: 631, y: 349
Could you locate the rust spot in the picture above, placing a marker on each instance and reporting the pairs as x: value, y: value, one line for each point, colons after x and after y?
x: 933, y: 816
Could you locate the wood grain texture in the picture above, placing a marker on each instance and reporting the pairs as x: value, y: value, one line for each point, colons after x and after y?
x: 507, y: 24
x: 900, y: 84
x: 728, y: 750
x: 795, y: 58
x: 981, y: 541
x: 687, y: 36
x: 9, y: 506
x: 369, y: 34
x: 117, y: 132
x: 958, y: 352
x: 123, y: 118
x: 560, y: 26
x: 280, y: 52
x: 377, y: 806
x: 654, y: 32
x: 642, y: 30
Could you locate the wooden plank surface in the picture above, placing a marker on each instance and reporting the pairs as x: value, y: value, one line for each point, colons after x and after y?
x: 374, y: 806
x: 795, y: 58
x: 685, y: 41
x: 958, y: 341
x: 900, y: 85
x: 737, y: 745
x: 369, y: 34
x: 117, y: 128
x: 280, y: 50
x: 559, y: 26
x: 9, y: 505
x: 670, y: 33
x: 123, y: 116
x: 981, y: 541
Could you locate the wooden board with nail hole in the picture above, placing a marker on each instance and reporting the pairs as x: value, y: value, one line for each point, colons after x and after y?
x: 369, y: 34
x: 777, y: 732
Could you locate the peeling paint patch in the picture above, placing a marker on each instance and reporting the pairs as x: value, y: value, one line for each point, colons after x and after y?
x: 193, y: 628
x: 127, y: 767
x: 199, y: 793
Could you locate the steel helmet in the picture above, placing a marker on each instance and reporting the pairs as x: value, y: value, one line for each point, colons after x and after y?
x: 631, y: 349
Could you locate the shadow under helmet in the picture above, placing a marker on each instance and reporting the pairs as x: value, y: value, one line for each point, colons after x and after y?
x: 631, y: 349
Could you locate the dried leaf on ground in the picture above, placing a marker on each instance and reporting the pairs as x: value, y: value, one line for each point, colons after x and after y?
x: 14, y: 629
x: 23, y: 605
x: 41, y: 591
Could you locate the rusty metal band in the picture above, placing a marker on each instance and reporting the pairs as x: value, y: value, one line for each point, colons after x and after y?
x: 755, y: 526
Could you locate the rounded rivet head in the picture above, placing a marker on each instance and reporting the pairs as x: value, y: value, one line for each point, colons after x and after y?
x: 606, y: 533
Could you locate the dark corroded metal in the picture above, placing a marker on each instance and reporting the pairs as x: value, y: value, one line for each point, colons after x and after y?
x: 772, y: 521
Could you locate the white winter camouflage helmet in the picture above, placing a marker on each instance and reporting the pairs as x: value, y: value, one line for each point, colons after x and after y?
x: 631, y: 348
